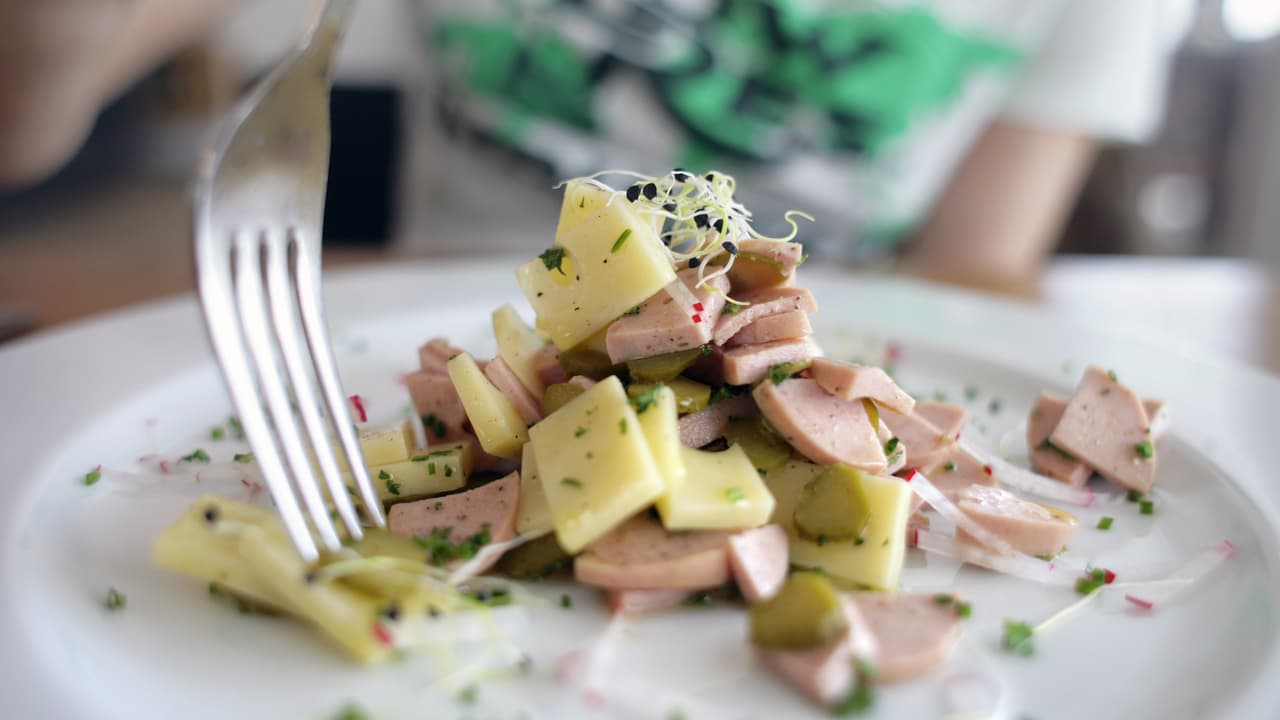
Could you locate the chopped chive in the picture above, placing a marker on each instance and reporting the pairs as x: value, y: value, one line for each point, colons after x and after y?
x: 469, y: 694
x: 964, y: 609
x: 115, y: 600
x: 735, y: 494
x: 93, y: 476
x: 1145, y: 449
x: 384, y: 475
x: 944, y: 599
x: 622, y: 426
x: 970, y: 393
x: 351, y: 712
x: 243, y: 458
x: 645, y: 400
x: 431, y: 468
x: 393, y: 487
x: 237, y: 430
x: 214, y: 590
x: 633, y: 311
x: 1112, y: 375
x: 622, y: 239
x: 199, y: 455
x: 579, y: 432
x: 418, y: 458
x: 571, y: 482
x: 1146, y: 507
x: 582, y: 202
x: 448, y: 471
x: 859, y: 701
x: 949, y: 467
x: 217, y: 434
x: 566, y: 602
x: 1105, y: 523
x: 1086, y: 585
x: 1017, y: 638
x: 439, y: 453
x: 1134, y: 496
x: 892, y: 445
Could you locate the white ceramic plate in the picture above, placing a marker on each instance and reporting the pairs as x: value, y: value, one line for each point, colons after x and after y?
x: 109, y: 391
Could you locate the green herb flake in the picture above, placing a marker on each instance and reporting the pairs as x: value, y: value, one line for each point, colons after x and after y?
x: 1145, y: 450
x: 646, y: 399
x: 435, y: 425
x: 418, y: 458
x: 566, y: 602
x: 622, y: 240
x: 633, y: 311
x: 393, y: 487
x: 1112, y: 375
x: 1017, y: 638
x: 115, y: 600
x: 1086, y: 585
x: 579, y: 432
x: 352, y: 712
x: 448, y: 471
x: 553, y: 259
x: 198, y: 455
x: 582, y: 202
x: 438, y: 505
x: 944, y: 599
x: 243, y: 458
x: 1146, y: 507
x: 431, y: 468
x: 469, y: 695
x: 441, y: 549
x: 1134, y: 496
x: 735, y: 494
x: 93, y: 476
x: 1105, y: 523
x: 949, y: 467
x: 970, y: 393
x: 571, y: 482
x: 214, y: 590
x: 892, y: 445
x: 622, y: 426
x: 731, y: 307
x: 237, y: 430
x: 964, y: 610
x: 217, y: 434
x: 858, y: 702
x: 384, y: 475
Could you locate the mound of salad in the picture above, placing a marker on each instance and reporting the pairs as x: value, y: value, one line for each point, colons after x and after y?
x: 668, y: 429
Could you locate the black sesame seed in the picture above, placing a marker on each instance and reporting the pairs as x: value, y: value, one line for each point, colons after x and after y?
x: 633, y: 193
x: 680, y: 175
x: 433, y: 611
x: 711, y: 177
x: 310, y: 577
x: 669, y: 207
x: 650, y: 191
x: 694, y: 262
x: 211, y: 514
x: 700, y: 219
x: 719, y: 225
x: 729, y: 247
x: 393, y: 613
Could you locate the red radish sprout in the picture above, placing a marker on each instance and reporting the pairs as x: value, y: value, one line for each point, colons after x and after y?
x: 1019, y: 478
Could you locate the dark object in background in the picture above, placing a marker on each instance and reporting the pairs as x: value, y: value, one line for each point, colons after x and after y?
x: 360, y: 205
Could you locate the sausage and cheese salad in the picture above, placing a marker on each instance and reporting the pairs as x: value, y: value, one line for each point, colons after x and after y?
x: 668, y: 430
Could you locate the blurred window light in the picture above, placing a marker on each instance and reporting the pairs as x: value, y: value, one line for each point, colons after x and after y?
x: 1251, y: 20
x: 1174, y: 207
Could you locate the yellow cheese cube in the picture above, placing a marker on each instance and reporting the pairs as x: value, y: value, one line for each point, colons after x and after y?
x: 534, y: 513
x: 581, y: 201
x: 386, y: 443
x: 426, y: 472
x: 595, y: 465
x: 616, y: 261
x: 517, y: 345
x: 876, y: 561
x: 497, y: 425
x: 662, y: 431
x: 722, y: 491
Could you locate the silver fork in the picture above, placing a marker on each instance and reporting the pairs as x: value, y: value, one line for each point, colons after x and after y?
x: 259, y: 202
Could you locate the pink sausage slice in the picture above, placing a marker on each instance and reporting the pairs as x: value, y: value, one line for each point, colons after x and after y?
x: 914, y: 633
x: 665, y: 323
x: 853, y: 382
x: 1104, y: 426
x: 1032, y: 528
x: 503, y: 378
x: 466, y: 513
x: 582, y: 381
x: 1047, y: 458
x: 644, y: 601
x: 698, y: 429
x: 827, y: 674
x: 762, y: 303
x: 759, y: 561
x: 824, y: 428
x: 435, y: 354
x: 747, y: 364
x: 437, y: 402
x: 547, y: 364
x: 926, y: 445
x: 959, y: 472
x: 783, y: 326
x: 948, y: 418
x: 640, y: 554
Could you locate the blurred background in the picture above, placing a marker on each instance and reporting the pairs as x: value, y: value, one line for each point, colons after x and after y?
x: 1178, y: 235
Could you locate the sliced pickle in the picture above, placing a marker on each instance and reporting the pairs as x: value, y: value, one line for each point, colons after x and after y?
x: 558, y: 395
x: 588, y: 362
x: 806, y: 612
x: 690, y: 396
x: 873, y: 412
x: 833, y: 506
x: 767, y: 451
x: 753, y: 270
x: 535, y: 559
x: 663, y: 368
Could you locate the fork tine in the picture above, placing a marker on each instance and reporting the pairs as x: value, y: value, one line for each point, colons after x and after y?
x: 257, y: 332
x: 217, y: 301
x: 282, y: 297
x: 311, y: 307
